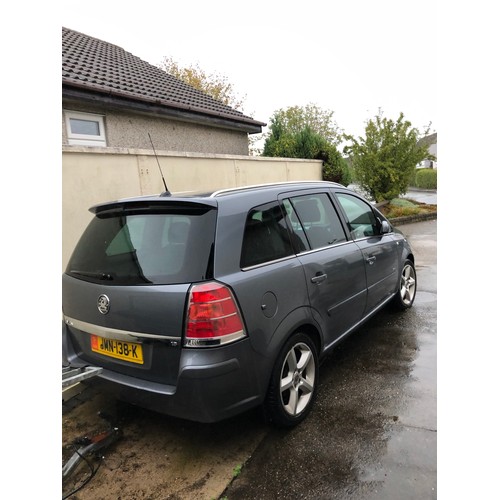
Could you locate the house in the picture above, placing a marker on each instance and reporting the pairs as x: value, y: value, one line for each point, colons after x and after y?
x: 112, y: 98
x: 430, y: 141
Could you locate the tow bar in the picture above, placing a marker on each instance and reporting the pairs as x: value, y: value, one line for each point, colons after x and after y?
x: 72, y: 376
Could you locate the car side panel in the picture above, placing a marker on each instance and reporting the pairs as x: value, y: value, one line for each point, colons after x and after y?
x: 380, y: 255
x: 336, y: 283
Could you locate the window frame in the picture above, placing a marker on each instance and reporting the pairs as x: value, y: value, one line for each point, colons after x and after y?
x: 75, y: 139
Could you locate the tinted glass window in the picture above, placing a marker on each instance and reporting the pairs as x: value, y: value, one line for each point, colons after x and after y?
x: 135, y: 248
x: 315, y: 221
x: 266, y: 236
x: 360, y: 216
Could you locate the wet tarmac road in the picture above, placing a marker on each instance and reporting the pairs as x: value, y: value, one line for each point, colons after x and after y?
x: 373, y: 431
x: 428, y: 196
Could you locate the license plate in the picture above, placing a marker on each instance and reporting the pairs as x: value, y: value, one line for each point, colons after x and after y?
x: 127, y: 351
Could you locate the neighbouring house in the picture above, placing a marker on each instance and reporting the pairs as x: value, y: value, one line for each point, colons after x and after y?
x: 430, y: 141
x: 112, y: 98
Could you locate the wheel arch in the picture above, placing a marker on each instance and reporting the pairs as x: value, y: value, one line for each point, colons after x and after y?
x: 311, y: 331
x: 299, y: 320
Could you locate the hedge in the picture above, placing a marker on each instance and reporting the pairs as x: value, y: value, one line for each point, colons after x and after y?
x: 426, y: 178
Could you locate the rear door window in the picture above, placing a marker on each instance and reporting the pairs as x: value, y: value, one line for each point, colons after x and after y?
x: 315, y: 221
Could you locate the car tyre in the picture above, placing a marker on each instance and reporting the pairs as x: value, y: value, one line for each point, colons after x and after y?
x: 294, y: 379
x: 407, y: 287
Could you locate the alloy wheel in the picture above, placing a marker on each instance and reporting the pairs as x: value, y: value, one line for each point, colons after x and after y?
x: 297, y: 379
x: 408, y: 285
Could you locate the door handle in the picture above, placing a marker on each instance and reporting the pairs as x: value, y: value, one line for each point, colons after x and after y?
x: 318, y: 278
x: 371, y: 260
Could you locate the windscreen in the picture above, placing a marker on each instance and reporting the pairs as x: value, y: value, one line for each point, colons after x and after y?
x: 146, y: 247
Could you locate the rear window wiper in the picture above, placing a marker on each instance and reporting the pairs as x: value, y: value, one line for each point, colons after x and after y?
x: 98, y: 275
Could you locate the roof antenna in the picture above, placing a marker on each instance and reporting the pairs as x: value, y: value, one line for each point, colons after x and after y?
x: 167, y: 192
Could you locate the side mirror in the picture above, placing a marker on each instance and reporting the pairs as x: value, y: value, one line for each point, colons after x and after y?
x: 385, y: 227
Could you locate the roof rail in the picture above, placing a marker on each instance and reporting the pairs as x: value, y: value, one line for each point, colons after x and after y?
x: 222, y: 192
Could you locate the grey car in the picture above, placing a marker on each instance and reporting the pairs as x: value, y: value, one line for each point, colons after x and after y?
x: 204, y: 306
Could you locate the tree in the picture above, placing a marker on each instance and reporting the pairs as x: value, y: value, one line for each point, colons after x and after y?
x: 213, y: 84
x: 295, y: 118
x: 292, y: 136
x: 385, y: 160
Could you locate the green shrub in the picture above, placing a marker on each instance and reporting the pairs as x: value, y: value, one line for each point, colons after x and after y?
x: 385, y: 160
x: 426, y: 178
x: 413, y: 180
x: 335, y: 168
x: 306, y: 143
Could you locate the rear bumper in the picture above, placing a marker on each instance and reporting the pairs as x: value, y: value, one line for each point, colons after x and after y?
x: 212, y: 384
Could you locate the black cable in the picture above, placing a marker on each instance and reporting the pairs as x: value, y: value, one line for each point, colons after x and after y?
x: 93, y: 472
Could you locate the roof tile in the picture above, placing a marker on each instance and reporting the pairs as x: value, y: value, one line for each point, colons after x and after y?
x: 103, y: 67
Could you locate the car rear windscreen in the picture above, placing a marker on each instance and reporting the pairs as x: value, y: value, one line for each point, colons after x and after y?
x: 146, y: 247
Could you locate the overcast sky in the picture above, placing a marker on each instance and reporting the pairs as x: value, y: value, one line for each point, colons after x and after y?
x: 348, y: 57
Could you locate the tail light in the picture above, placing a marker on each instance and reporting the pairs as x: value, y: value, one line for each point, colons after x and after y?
x: 213, y: 317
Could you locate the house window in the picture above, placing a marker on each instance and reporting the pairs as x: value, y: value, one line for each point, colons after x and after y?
x: 85, y: 129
